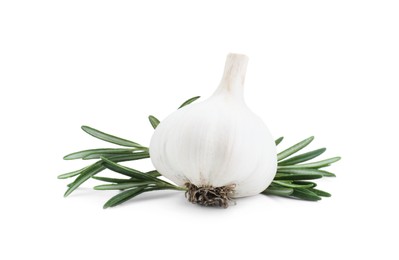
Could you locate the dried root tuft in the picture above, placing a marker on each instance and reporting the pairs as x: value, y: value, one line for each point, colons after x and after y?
x: 210, y: 196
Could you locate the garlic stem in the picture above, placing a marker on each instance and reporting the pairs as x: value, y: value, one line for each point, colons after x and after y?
x: 234, y: 75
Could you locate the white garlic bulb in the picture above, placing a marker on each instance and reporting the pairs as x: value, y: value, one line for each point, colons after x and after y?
x: 218, y: 148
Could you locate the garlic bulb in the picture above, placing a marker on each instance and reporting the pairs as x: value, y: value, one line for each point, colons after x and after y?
x: 219, y: 149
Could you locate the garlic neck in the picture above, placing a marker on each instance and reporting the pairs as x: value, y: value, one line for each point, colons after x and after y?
x: 232, y: 83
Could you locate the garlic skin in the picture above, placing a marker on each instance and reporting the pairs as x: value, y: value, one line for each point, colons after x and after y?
x: 217, y: 142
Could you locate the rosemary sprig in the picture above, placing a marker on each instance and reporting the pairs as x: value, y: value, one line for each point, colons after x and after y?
x: 291, y: 180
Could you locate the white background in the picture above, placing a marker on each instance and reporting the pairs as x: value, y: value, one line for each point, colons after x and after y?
x: 323, y: 68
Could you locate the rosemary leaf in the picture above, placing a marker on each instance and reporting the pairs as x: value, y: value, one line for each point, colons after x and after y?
x: 154, y: 173
x: 71, y: 174
x: 305, y: 182
x: 101, y: 151
x: 113, y: 180
x: 295, y: 148
x: 299, y: 176
x: 129, y: 194
x: 278, y: 191
x: 122, y: 186
x: 110, y: 138
x: 302, y: 157
x: 288, y: 184
x: 127, y: 157
x: 300, y: 171
x: 154, y: 121
x: 132, y: 156
x: 189, y: 101
x: 123, y: 196
x: 278, y: 140
x: 305, y: 194
x: 127, y: 171
x: 92, y: 156
x: 327, y: 174
x: 320, y: 192
x: 319, y: 164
